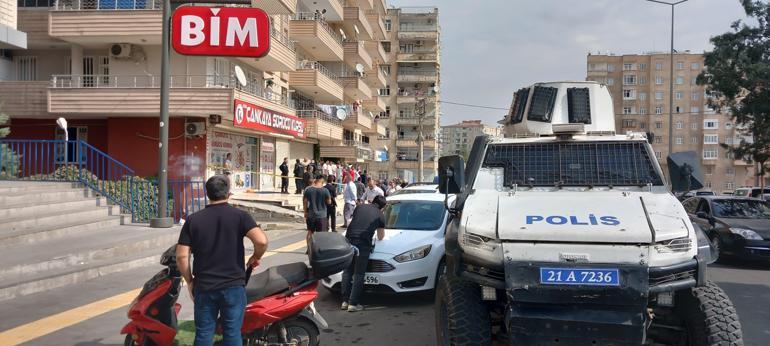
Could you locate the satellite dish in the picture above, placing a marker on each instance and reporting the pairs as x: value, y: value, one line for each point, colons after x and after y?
x: 240, y: 76
x: 435, y: 88
x: 359, y: 68
x: 341, y: 114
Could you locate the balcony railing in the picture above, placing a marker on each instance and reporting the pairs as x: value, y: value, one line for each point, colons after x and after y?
x: 315, y: 17
x: 176, y: 81
x: 418, y: 28
x: 419, y: 10
x: 315, y: 65
x: 357, y: 144
x: 417, y: 73
x: 284, y: 39
x: 316, y: 114
x: 78, y: 5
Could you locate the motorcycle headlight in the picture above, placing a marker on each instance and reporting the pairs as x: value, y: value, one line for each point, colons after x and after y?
x: 682, y: 244
x: 413, y: 254
x: 746, y: 233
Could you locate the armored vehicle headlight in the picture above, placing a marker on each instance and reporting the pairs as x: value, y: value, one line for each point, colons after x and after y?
x: 682, y: 244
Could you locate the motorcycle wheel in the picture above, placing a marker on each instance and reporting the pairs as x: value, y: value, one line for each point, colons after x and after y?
x: 129, y: 341
x: 299, y: 331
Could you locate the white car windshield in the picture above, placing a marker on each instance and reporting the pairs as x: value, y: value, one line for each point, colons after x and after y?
x: 414, y: 215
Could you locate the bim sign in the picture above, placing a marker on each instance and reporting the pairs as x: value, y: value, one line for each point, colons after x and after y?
x: 226, y: 31
x: 254, y: 117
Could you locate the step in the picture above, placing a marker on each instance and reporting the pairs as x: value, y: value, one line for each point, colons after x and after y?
x: 50, y: 264
x: 38, y: 234
x: 55, y: 217
x: 46, y: 196
x: 8, y: 187
x: 30, y: 208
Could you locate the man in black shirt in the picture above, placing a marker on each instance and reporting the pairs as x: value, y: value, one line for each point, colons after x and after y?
x: 284, y: 167
x: 315, y: 200
x: 299, y: 169
x: 331, y: 209
x: 214, y: 236
x: 367, y: 218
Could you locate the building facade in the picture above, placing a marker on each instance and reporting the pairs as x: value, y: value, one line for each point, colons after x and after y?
x: 97, y: 63
x: 639, y: 85
x: 10, y: 37
x: 457, y: 139
x: 411, y: 95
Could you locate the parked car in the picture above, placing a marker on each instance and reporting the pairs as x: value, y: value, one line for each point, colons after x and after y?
x: 411, y: 256
x: 695, y: 193
x: 418, y: 188
x: 737, y: 226
x: 755, y: 192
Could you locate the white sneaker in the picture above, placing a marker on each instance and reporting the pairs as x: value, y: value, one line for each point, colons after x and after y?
x: 355, y: 308
x: 344, y: 306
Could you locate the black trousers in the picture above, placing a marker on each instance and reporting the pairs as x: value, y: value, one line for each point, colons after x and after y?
x: 299, y: 183
x: 353, y: 276
x: 331, y: 215
x: 285, y: 184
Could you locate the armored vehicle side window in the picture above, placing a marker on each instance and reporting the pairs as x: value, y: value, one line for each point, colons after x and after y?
x: 579, y: 105
x: 541, y: 107
x: 574, y: 164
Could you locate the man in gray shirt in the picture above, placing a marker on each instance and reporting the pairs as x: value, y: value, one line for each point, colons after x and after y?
x: 315, y: 200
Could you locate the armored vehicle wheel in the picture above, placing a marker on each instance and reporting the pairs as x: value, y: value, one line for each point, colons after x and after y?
x: 461, y: 316
x: 709, y: 316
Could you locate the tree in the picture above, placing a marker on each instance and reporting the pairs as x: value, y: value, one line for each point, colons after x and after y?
x: 737, y: 76
x: 9, y: 161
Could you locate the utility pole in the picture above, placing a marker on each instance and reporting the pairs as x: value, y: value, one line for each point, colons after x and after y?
x: 419, y: 110
x: 162, y: 220
x: 671, y: 76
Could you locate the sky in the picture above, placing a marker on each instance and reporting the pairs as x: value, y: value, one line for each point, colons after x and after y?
x: 489, y: 48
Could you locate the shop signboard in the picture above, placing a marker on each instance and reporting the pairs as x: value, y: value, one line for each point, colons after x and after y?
x: 220, y: 31
x: 250, y: 116
x: 234, y: 155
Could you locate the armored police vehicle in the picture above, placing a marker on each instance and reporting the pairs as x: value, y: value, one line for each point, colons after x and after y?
x: 565, y: 233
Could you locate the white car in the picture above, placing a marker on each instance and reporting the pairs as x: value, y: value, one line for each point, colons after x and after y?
x: 422, y: 188
x: 411, y: 255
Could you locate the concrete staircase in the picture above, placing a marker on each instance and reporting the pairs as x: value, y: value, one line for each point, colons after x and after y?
x: 58, y: 234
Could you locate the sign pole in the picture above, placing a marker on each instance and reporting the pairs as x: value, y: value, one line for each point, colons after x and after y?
x: 163, y: 220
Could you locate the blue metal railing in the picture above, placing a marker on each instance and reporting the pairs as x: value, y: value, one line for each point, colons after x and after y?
x: 80, y: 162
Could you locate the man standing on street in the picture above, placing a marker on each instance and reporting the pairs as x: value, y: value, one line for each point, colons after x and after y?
x: 284, y: 167
x: 299, y: 169
x: 366, y: 219
x: 315, y: 200
x: 350, y: 196
x: 372, y: 191
x: 331, y: 209
x: 214, y: 236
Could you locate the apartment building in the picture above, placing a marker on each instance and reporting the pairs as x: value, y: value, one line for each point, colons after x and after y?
x: 411, y: 95
x: 10, y: 37
x: 639, y: 85
x: 457, y: 139
x: 97, y: 63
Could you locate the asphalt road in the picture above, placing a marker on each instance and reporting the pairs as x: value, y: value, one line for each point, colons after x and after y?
x: 387, y: 320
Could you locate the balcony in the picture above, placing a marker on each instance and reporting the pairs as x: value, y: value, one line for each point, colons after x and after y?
x: 24, y: 99
x: 321, y: 125
x: 376, y: 78
x: 89, y: 22
x: 378, y: 27
x: 378, y: 129
x: 316, y: 37
x: 418, y: 56
x: 418, y: 32
x: 414, y: 164
x: 417, y: 76
x: 355, y: 53
x: 743, y: 163
x: 107, y: 95
x: 375, y: 104
x: 376, y: 51
x: 364, y: 4
x: 356, y: 89
x: 351, y: 150
x: 34, y: 22
x: 354, y: 18
x: 412, y: 142
x: 412, y: 96
x: 276, y: 6
x: 414, y: 121
x: 316, y: 80
x: 281, y: 58
x: 358, y: 121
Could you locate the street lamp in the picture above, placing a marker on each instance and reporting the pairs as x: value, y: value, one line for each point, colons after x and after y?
x: 671, y: 76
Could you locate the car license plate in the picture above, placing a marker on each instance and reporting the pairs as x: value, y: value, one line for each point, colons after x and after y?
x: 371, y: 279
x: 579, y: 276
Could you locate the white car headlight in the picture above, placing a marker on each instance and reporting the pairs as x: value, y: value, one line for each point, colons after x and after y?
x: 413, y: 254
x: 745, y: 233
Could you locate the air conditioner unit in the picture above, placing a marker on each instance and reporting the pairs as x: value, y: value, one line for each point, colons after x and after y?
x: 195, y: 129
x: 120, y: 50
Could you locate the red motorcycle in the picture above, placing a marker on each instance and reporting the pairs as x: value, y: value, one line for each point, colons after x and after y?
x: 279, y: 309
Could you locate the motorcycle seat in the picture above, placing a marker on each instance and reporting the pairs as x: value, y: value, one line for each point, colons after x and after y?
x: 275, y: 280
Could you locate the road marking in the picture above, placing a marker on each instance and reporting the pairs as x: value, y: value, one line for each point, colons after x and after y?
x: 59, y: 321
